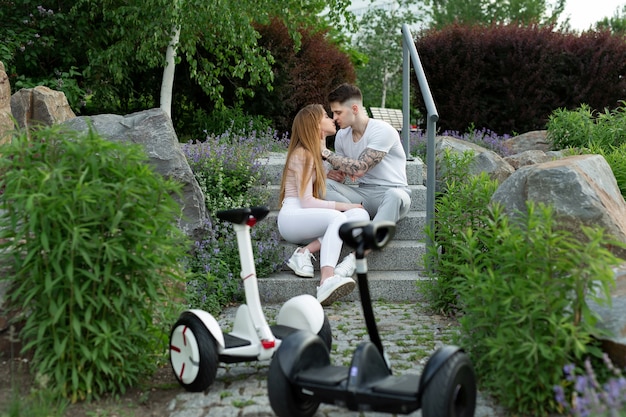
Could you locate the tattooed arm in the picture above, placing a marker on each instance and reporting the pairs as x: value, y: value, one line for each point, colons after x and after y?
x: 368, y: 159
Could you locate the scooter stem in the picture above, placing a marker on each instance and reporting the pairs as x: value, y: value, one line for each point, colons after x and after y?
x: 250, y: 283
x: 366, y: 300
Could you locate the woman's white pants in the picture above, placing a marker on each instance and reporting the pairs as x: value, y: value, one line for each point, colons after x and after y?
x: 301, y: 225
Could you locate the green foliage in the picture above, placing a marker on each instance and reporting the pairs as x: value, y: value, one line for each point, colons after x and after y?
x: 117, y: 48
x: 486, y: 12
x: 524, y: 286
x: 616, y: 158
x: 380, y: 78
x: 66, y: 82
x: 89, y: 230
x: 599, y: 133
x: 571, y: 128
x: 463, y: 205
x: 510, y: 78
x: 35, y: 404
x: 519, y: 285
x: 191, y: 120
x: 30, y: 48
x: 610, y: 127
x: 616, y: 23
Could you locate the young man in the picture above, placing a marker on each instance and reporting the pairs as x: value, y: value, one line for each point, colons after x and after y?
x: 370, y: 152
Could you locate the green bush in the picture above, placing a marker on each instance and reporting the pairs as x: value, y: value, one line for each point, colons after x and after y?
x: 461, y: 206
x: 523, y: 288
x: 571, y: 129
x: 599, y: 133
x: 616, y: 158
x: 90, y: 232
x: 189, y: 119
x: 519, y: 287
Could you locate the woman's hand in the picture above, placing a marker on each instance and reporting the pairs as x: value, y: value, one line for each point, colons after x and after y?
x: 335, y: 175
x: 347, y: 206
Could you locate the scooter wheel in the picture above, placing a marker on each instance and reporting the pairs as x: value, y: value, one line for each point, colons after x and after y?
x: 326, y: 333
x: 452, y: 391
x: 284, y: 397
x: 193, y: 353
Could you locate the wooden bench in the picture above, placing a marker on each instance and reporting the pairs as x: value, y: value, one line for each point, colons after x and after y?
x: 391, y: 116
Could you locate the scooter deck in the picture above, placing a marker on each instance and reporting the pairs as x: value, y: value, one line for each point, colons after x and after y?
x: 231, y: 342
x: 331, y: 385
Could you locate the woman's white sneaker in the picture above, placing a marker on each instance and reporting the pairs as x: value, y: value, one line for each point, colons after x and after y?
x: 334, y: 288
x: 346, y: 267
x: 300, y: 263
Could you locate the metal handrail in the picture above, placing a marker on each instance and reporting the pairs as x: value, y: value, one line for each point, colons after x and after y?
x: 408, y: 49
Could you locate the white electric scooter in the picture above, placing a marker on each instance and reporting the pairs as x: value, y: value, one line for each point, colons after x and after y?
x: 198, y: 345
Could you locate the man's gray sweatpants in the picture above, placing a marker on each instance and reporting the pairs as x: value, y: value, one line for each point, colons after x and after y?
x: 381, y: 202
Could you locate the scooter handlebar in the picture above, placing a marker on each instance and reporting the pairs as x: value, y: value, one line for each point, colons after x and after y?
x: 242, y: 214
x: 364, y: 235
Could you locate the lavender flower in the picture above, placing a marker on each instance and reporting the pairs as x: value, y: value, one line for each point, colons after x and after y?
x: 229, y: 171
x: 482, y: 137
x: 588, y: 396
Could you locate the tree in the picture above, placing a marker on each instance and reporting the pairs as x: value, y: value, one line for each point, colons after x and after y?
x: 380, y: 39
x: 118, y: 47
x: 444, y: 12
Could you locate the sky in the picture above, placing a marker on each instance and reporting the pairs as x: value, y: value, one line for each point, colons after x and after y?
x: 582, y: 13
x: 585, y: 13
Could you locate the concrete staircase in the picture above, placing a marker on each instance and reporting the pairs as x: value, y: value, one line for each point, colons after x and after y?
x: 392, y: 272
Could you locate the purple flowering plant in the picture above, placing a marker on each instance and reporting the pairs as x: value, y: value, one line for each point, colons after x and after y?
x: 229, y: 170
x: 482, y: 137
x: 582, y: 395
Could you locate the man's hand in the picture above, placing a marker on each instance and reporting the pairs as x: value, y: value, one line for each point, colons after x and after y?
x: 335, y: 175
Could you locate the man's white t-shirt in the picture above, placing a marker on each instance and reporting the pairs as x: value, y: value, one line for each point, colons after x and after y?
x: 380, y: 136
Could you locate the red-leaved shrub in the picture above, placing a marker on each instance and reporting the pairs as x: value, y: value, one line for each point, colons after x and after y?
x: 509, y: 78
x: 302, y: 76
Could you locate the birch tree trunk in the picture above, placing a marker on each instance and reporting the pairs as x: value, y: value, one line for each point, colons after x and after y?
x: 167, y: 82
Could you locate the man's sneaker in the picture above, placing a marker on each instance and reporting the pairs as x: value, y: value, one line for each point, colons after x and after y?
x: 347, y: 267
x: 300, y: 263
x: 334, y: 288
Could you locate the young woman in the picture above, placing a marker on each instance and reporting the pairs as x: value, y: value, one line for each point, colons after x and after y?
x: 305, y: 216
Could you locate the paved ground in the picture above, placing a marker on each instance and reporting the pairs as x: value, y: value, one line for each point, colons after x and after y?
x: 409, y: 337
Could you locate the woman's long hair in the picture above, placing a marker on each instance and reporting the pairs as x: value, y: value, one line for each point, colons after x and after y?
x: 306, y: 133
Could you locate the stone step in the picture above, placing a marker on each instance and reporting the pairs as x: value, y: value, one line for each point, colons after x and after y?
x: 409, y: 228
x: 273, y: 167
x: 398, y: 255
x: 393, y: 271
x: 418, y: 197
x: 389, y: 286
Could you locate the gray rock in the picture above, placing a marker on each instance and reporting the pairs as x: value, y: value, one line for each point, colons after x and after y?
x: 525, y: 158
x: 154, y: 131
x: 582, y: 190
x: 534, y: 140
x: 40, y: 105
x: 485, y: 160
x: 6, y: 122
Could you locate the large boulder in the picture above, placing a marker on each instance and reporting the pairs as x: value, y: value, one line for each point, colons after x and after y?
x: 582, y: 190
x: 40, y: 105
x: 6, y: 122
x: 529, y: 157
x: 529, y: 141
x: 153, y: 129
x: 484, y: 160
